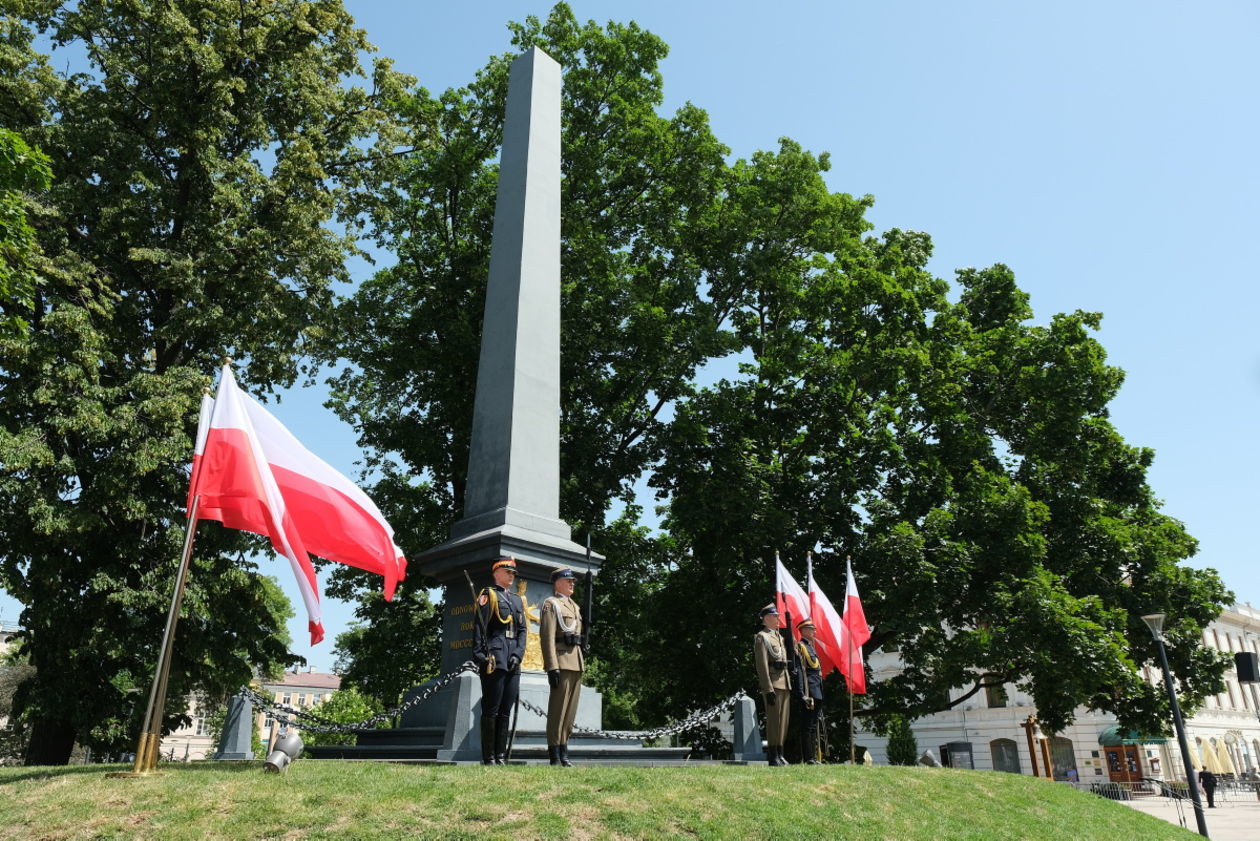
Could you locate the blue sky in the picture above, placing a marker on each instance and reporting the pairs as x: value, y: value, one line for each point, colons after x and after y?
x: 1105, y: 151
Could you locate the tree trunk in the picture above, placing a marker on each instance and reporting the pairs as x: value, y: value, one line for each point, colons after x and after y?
x: 52, y: 739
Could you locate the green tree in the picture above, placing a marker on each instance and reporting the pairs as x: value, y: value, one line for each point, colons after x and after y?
x: 959, y: 452
x: 902, y: 747
x: 345, y: 706
x: 391, y: 645
x: 196, y: 165
x: 23, y: 171
x: 14, y: 670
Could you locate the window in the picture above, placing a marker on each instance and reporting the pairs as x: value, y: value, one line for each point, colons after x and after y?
x: 287, y: 699
x: 1063, y: 758
x: 1005, y: 755
x: 200, y: 722
x: 996, y: 697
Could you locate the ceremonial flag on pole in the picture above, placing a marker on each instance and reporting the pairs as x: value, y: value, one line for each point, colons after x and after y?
x: 789, y: 597
x: 829, y: 631
x: 253, y: 475
x: 857, y: 632
x: 199, y: 447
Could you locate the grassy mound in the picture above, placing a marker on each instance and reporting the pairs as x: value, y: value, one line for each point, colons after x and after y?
x: 363, y: 800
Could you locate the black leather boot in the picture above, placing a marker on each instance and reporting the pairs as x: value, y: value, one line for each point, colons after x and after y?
x: 564, y: 755
x: 771, y: 758
x: 553, y: 753
x: 811, y: 749
x: 501, y: 731
x: 487, y: 740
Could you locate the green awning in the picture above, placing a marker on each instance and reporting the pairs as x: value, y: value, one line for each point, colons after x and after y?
x: 1113, y: 736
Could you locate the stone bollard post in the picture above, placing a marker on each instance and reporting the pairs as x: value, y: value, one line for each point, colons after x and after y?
x: 747, y: 736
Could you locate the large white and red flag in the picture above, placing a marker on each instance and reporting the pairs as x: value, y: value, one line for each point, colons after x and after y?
x: 829, y: 630
x: 250, y: 473
x: 789, y: 598
x: 857, y: 632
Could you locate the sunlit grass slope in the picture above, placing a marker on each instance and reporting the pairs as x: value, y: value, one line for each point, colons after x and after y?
x: 353, y: 800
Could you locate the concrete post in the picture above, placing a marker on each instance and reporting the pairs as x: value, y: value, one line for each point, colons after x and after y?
x: 236, y: 742
x: 747, y: 736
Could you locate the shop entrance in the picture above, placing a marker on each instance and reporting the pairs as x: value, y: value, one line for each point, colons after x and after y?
x: 1124, y: 763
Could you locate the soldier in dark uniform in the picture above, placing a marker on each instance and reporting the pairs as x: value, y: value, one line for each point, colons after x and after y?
x: 775, y: 680
x: 499, y: 634
x: 809, y: 679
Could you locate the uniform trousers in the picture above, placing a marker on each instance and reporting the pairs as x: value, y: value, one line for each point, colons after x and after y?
x: 498, y: 693
x: 777, y: 718
x: 562, y: 707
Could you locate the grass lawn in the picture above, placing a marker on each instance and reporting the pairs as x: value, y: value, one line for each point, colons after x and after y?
x: 352, y: 800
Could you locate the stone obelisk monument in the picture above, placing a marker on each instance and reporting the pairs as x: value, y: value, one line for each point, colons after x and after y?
x: 512, y: 497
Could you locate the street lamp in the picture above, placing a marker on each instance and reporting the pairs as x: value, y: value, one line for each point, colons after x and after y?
x: 1155, y: 622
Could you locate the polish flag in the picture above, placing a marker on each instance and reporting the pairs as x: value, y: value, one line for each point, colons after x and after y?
x: 250, y: 473
x: 789, y: 598
x: 830, y: 631
x: 203, y: 430
x: 857, y: 632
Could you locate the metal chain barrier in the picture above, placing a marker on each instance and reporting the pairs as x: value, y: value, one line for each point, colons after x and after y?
x: 691, y: 721
x: 315, y: 724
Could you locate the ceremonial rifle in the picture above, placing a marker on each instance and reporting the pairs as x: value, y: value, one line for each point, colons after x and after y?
x: 590, y: 601
x: 472, y: 591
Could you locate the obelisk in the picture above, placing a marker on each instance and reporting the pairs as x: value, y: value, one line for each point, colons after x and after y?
x: 512, y: 496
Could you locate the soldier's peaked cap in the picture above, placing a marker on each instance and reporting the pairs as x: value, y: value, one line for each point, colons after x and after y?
x: 504, y: 563
x: 804, y: 623
x: 562, y: 573
x: 769, y: 609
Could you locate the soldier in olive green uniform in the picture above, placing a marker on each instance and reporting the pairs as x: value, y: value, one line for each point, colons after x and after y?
x: 809, y: 680
x: 562, y: 641
x: 776, y: 681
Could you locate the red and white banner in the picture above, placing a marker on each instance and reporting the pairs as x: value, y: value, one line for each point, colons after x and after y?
x: 830, y: 631
x: 857, y: 632
x: 789, y: 598
x: 250, y: 473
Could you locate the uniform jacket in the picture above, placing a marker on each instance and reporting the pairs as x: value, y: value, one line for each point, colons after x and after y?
x: 808, y: 678
x: 767, y: 648
x: 499, y: 613
x: 561, y: 616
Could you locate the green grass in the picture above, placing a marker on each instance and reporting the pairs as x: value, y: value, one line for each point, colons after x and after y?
x: 204, y: 801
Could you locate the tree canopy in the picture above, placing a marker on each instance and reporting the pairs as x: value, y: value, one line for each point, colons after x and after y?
x: 196, y: 161
x: 958, y: 449
x: 735, y: 337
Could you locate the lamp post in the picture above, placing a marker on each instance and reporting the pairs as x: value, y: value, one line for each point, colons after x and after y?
x: 1030, y: 726
x: 1155, y: 622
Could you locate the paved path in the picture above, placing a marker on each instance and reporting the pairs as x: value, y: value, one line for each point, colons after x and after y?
x: 1231, y: 820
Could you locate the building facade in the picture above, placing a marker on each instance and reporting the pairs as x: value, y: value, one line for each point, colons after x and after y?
x: 296, y: 688
x: 995, y: 730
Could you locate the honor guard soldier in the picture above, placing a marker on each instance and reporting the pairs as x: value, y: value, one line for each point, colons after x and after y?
x: 776, y: 681
x: 809, y: 679
x: 562, y: 644
x: 499, y: 634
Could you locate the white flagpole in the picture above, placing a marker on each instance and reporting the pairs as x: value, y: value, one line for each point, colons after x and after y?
x: 848, y: 635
